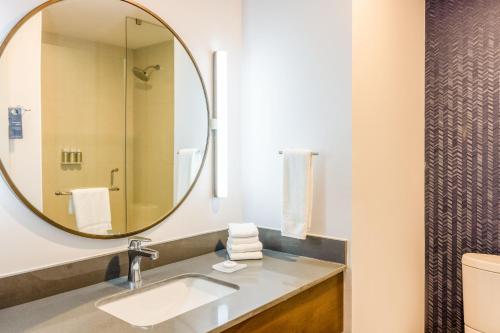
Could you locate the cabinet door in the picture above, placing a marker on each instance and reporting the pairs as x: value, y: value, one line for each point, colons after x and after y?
x: 316, y: 310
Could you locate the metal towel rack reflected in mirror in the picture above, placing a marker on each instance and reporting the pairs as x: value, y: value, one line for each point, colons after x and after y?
x: 111, y: 188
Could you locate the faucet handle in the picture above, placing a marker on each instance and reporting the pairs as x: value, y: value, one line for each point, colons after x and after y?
x: 135, y: 242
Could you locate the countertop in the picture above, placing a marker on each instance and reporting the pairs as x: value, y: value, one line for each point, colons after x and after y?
x: 263, y: 284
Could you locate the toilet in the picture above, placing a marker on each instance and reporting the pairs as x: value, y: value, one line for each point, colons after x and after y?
x: 481, y: 292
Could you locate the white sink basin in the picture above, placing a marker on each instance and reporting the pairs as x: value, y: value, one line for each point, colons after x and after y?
x: 160, y: 301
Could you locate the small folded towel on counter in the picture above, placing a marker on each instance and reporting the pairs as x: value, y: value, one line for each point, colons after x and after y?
x: 243, y: 240
x: 241, y: 230
x: 244, y: 255
x: 239, y: 248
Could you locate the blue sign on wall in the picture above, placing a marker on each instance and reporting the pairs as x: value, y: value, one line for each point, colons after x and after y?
x: 15, y: 123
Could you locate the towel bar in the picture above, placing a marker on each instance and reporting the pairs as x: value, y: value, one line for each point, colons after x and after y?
x: 114, y: 189
x: 313, y: 153
x: 197, y: 151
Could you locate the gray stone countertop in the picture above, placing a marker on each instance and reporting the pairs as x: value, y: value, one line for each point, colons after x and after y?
x: 263, y: 284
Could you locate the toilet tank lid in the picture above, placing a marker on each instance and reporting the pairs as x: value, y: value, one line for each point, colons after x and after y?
x: 487, y: 262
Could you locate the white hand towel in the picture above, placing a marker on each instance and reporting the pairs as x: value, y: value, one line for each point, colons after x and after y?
x: 185, y: 172
x: 92, y: 210
x: 238, y: 230
x: 297, y: 193
x: 238, y: 248
x: 245, y: 255
x: 243, y: 240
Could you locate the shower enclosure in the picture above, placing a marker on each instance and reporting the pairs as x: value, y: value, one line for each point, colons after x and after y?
x: 119, y: 92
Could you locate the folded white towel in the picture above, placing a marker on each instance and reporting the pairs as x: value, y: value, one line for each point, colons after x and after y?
x: 92, y: 210
x: 239, y: 248
x: 245, y: 255
x: 238, y: 230
x: 297, y: 193
x: 243, y: 240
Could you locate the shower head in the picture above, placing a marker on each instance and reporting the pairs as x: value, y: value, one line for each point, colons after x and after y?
x: 145, y: 74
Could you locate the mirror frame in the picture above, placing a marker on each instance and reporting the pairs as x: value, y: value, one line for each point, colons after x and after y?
x: 40, y: 214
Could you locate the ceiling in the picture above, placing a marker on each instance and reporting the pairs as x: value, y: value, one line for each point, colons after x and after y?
x: 103, y: 21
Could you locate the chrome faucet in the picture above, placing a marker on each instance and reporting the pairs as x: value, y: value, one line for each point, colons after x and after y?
x: 135, y: 253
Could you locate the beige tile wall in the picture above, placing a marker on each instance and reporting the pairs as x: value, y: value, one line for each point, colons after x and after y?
x: 83, y: 101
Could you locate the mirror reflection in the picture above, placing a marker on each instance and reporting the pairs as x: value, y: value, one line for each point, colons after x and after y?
x: 105, y: 121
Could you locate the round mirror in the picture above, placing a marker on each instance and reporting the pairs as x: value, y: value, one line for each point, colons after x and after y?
x: 103, y: 116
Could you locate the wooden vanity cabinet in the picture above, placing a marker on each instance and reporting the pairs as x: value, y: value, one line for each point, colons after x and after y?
x: 316, y: 310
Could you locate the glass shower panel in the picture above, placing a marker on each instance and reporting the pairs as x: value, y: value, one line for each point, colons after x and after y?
x: 149, y: 122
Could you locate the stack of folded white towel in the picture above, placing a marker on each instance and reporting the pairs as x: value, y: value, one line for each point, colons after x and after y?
x: 243, y: 242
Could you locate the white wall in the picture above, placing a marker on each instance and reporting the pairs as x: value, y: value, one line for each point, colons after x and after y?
x: 297, y: 94
x: 388, y: 166
x: 190, y: 122
x: 20, y: 76
x: 204, y: 26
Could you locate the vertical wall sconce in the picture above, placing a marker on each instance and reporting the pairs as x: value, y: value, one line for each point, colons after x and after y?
x: 220, y: 123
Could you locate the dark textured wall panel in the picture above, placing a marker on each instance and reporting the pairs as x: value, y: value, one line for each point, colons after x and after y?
x: 313, y: 246
x: 30, y: 286
x: 462, y: 148
x: 45, y: 282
